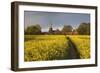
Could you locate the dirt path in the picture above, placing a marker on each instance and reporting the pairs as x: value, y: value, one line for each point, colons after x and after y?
x: 72, y: 52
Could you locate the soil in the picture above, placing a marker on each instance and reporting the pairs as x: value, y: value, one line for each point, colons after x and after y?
x: 72, y: 51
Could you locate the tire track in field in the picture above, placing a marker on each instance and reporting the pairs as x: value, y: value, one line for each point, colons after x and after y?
x: 72, y: 51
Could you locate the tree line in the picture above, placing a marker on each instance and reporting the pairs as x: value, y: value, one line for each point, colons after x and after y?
x: 82, y: 29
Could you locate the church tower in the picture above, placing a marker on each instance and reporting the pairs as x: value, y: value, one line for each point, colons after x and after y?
x: 51, y: 29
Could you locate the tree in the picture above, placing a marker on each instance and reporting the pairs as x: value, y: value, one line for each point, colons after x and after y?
x: 34, y: 29
x: 57, y: 32
x: 84, y: 29
x: 67, y: 29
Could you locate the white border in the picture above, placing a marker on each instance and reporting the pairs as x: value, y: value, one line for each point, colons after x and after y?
x: 23, y: 64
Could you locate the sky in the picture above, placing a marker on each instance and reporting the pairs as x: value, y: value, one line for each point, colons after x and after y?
x: 57, y: 19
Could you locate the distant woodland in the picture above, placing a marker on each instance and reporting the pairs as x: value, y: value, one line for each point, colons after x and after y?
x: 82, y: 29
